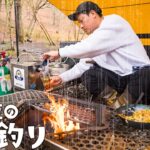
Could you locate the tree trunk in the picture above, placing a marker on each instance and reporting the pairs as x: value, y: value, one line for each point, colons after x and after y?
x: 10, y: 23
x: 21, y: 31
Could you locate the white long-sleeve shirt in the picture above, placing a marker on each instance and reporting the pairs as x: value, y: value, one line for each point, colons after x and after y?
x: 113, y: 46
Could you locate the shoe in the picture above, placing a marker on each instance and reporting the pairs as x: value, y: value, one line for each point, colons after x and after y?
x: 115, y: 100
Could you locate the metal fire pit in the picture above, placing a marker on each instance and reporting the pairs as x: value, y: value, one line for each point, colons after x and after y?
x: 31, y: 116
x: 116, y: 137
x: 90, y: 115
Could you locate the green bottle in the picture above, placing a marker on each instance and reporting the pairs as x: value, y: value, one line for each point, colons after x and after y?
x: 5, y: 81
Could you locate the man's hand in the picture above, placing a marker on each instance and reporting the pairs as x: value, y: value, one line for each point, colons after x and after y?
x: 52, y: 55
x: 55, y: 81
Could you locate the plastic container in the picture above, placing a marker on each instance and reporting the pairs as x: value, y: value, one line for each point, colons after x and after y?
x: 5, y: 81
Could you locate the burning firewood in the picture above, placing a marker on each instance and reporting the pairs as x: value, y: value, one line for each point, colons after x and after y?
x: 60, y: 115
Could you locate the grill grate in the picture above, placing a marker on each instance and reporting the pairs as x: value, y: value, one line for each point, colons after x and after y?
x: 116, y: 137
x: 87, y: 113
x: 22, y: 96
x: 106, y: 139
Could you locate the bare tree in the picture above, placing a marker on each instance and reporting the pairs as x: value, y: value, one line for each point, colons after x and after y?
x: 8, y: 8
x: 35, y: 7
x: 0, y: 4
x: 9, y: 24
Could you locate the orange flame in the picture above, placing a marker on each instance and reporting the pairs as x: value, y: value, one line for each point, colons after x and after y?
x: 60, y: 115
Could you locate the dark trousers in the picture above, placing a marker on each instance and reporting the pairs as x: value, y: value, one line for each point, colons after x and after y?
x: 96, y: 79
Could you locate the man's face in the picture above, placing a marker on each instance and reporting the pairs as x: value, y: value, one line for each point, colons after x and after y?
x: 87, y: 22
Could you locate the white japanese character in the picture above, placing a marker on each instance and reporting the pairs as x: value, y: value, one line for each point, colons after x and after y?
x: 40, y: 138
x: 18, y: 138
x: 3, y: 139
x: 11, y: 111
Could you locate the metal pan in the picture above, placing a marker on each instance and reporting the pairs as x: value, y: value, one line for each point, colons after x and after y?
x: 128, y: 110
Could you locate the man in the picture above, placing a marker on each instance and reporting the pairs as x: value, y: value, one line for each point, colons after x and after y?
x: 118, y: 55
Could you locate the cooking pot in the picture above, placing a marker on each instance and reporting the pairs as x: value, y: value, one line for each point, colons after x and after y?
x: 58, y: 68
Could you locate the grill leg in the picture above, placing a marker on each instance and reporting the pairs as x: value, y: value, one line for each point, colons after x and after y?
x: 100, y: 114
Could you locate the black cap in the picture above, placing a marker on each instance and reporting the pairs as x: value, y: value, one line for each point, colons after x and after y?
x: 85, y: 8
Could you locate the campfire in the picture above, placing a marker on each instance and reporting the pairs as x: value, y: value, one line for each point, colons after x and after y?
x: 64, y: 118
x: 95, y: 131
x: 59, y: 117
